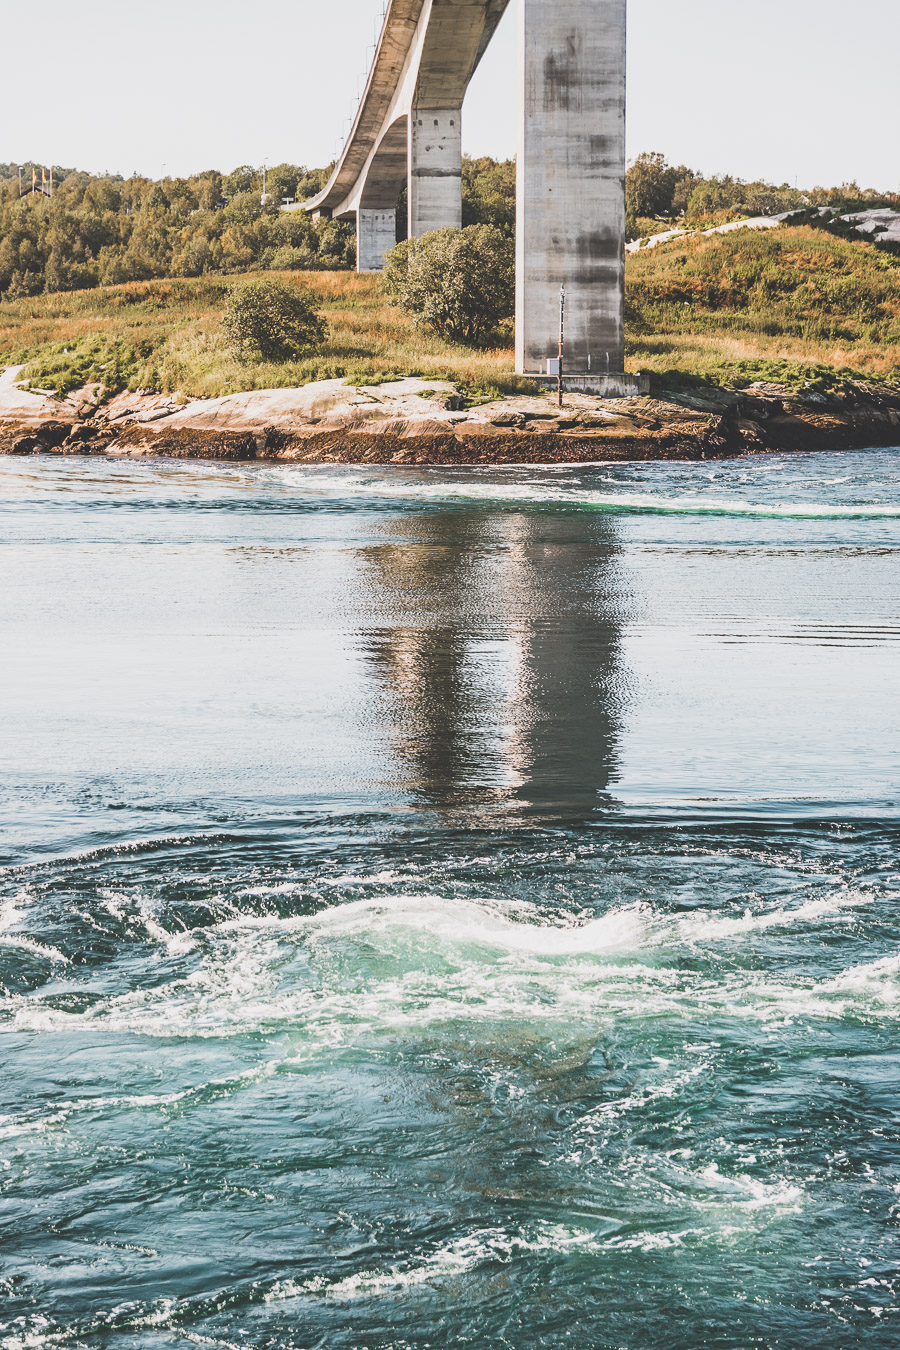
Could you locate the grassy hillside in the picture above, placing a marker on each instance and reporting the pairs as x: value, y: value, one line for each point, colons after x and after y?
x: 728, y: 308
x: 711, y: 304
x: 168, y: 335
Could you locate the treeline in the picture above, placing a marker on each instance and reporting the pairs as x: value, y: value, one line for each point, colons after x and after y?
x: 658, y: 194
x: 100, y: 229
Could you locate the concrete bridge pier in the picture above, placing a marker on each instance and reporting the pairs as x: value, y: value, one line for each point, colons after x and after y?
x: 407, y: 127
x: 435, y: 170
x: 571, y: 193
x: 376, y: 233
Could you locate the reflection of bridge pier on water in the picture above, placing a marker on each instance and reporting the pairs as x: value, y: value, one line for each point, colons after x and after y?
x: 499, y: 673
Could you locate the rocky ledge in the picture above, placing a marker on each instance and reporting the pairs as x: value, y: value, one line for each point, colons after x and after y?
x: 422, y: 422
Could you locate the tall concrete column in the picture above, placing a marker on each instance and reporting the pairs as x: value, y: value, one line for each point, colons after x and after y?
x: 435, y: 170
x: 571, y: 189
x: 376, y: 233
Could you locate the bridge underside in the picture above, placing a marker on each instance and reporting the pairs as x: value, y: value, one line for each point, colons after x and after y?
x: 571, y: 164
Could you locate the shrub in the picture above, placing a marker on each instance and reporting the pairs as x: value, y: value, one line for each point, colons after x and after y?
x: 271, y: 321
x: 461, y: 283
x: 655, y: 189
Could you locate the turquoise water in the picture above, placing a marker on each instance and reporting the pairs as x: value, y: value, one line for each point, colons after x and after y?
x: 450, y: 908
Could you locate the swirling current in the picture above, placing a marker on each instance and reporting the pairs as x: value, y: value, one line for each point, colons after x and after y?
x: 450, y: 908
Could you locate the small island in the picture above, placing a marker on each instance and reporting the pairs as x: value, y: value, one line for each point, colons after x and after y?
x: 758, y: 319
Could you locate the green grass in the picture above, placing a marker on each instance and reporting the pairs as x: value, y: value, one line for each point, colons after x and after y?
x: 167, y: 335
x: 789, y: 305
x: 795, y: 306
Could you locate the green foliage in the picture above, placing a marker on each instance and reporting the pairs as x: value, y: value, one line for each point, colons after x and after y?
x: 784, y: 282
x: 106, y: 231
x: 831, y: 221
x: 111, y: 363
x: 9, y: 173
x: 270, y: 321
x: 705, y: 304
x: 725, y: 198
x: 657, y: 193
x: 796, y: 376
x: 489, y: 193
x: 655, y: 189
x: 177, y: 323
x: 460, y: 283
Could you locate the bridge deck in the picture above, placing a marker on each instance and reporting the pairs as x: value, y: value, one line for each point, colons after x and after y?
x: 455, y: 37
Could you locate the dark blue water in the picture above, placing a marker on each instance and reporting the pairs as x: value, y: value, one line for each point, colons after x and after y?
x: 450, y: 908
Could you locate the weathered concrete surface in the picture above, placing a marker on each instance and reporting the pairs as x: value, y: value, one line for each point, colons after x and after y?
x: 408, y: 127
x: 376, y: 234
x: 621, y: 385
x: 435, y: 170
x: 571, y: 185
x: 571, y: 174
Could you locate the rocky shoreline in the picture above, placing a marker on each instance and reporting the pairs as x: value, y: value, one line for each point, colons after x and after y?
x: 419, y: 422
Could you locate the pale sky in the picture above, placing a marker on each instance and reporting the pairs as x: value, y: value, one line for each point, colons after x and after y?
x: 780, y: 89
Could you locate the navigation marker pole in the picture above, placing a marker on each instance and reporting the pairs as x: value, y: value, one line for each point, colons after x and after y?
x: 562, y: 344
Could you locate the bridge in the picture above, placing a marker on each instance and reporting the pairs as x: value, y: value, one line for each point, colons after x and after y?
x: 571, y: 164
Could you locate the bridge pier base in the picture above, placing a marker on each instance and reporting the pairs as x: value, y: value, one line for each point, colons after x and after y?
x: 571, y: 187
x: 376, y: 234
x: 435, y: 170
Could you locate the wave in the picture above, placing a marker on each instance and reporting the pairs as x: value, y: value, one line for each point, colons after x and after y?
x: 174, y: 485
x: 355, y: 973
x: 451, y: 1260
x: 546, y: 495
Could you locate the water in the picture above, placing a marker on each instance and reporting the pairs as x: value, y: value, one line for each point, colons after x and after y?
x: 450, y: 908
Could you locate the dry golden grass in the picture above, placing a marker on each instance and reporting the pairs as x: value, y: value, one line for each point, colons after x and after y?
x: 709, y: 307
x: 796, y: 295
x: 173, y: 329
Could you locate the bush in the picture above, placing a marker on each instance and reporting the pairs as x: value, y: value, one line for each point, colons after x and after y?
x: 489, y: 193
x: 271, y: 321
x: 461, y: 283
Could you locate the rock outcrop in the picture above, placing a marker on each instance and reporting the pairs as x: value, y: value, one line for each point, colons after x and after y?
x: 420, y: 422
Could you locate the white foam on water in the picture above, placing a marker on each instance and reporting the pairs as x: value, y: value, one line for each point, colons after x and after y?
x: 538, y: 492
x: 456, y: 1258
x: 38, y: 1122
x: 384, y: 966
x: 874, y: 981
x: 36, y: 948
x: 700, y: 927
x: 10, y: 916
x: 504, y: 926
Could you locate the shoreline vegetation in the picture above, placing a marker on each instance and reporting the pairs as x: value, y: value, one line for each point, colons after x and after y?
x: 785, y: 338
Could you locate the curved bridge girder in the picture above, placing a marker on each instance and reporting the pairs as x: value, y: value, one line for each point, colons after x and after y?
x: 386, y: 177
x: 426, y: 56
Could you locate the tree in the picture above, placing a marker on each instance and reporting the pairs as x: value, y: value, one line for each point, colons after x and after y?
x: 655, y: 188
x: 461, y: 283
x: 733, y: 198
x: 489, y: 193
x: 271, y: 321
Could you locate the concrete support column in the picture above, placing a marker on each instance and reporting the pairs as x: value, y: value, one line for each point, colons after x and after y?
x: 571, y: 185
x: 376, y: 233
x: 435, y: 170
